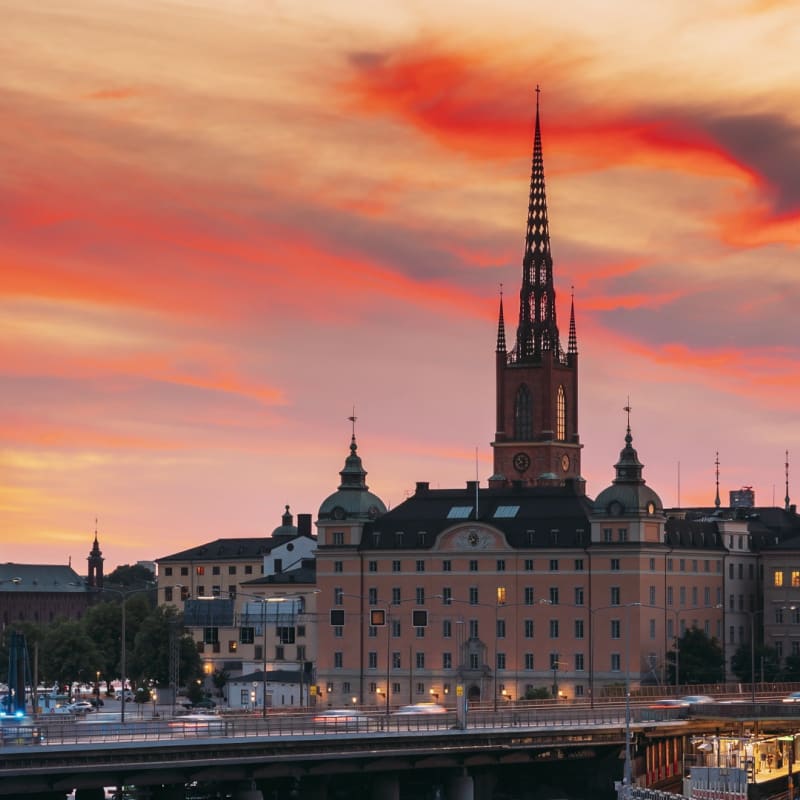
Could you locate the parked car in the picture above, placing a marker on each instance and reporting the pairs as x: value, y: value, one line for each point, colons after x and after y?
x: 80, y: 707
x: 794, y: 697
x: 128, y: 695
x: 421, y: 708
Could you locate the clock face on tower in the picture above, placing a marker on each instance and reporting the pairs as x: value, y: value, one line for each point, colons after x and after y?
x: 521, y: 462
x: 565, y: 463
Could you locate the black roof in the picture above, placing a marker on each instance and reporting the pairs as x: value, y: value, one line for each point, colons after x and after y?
x: 227, y: 549
x: 307, y: 574
x: 520, y: 512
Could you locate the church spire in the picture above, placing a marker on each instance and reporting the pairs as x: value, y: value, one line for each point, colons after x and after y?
x: 572, y: 348
x: 629, y: 468
x: 95, y: 562
x: 786, y: 501
x: 716, y: 464
x: 501, y: 326
x: 537, y: 332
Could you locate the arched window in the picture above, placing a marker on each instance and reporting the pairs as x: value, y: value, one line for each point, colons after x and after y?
x: 523, y: 414
x: 561, y: 415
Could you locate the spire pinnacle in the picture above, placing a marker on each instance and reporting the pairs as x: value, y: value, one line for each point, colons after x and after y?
x: 501, y: 326
x: 572, y: 347
x: 537, y: 331
x: 629, y: 468
x: 716, y: 464
x: 786, y: 502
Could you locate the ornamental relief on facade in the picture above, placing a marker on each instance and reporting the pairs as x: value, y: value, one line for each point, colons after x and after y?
x: 472, y: 538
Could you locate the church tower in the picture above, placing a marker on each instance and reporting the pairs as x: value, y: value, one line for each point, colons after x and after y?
x: 536, y: 442
x: 95, y: 559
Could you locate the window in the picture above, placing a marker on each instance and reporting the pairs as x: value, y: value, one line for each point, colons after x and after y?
x: 473, y: 629
x: 372, y: 566
x: 420, y: 595
x: 554, y: 595
x: 682, y: 565
x: 528, y: 565
x: 447, y: 629
x: 616, y: 629
x: 372, y: 632
x: 561, y: 415
x: 232, y: 569
x: 396, y: 660
x: 338, y: 566
x: 523, y: 414
x: 616, y: 660
x: 553, y: 565
x: 184, y: 570
x: 232, y: 645
x: 501, y: 565
x: 474, y: 661
x: 447, y: 661
x: 285, y: 634
x: 579, y: 662
x: 216, y: 571
x: 248, y: 569
x: 372, y: 595
x: 338, y: 596
x: 652, y: 592
x: 210, y: 635
x: 578, y: 565
x: 395, y: 566
x: 338, y: 632
x: 607, y: 532
x: 622, y: 535
x: 473, y: 566
x: 168, y: 594
x: 279, y: 655
x: 168, y: 571
x: 554, y: 629
x: 694, y: 565
x: 528, y: 629
x: 396, y: 629
x: 420, y: 565
x: 579, y: 629
x: 459, y: 512
x: 338, y: 537
x: 501, y: 629
x: 501, y: 661
x: 447, y: 596
x: 652, y: 629
x: 216, y: 591
x: 200, y: 571
x: 615, y: 565
x: 500, y: 596
x: 777, y: 577
x: 473, y: 595
x: 615, y: 595
x: 652, y: 565
x: 338, y: 660
x: 528, y: 660
x: 420, y: 660
x: 529, y: 595
x: 447, y: 566
x: 395, y: 595
x: 201, y: 590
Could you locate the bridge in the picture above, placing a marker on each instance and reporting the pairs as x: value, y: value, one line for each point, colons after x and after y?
x: 279, y: 755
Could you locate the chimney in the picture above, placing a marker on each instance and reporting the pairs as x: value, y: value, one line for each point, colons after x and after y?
x: 304, y: 524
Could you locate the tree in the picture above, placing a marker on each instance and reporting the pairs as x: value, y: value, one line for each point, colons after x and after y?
x: 149, y: 657
x: 538, y: 693
x: 220, y: 678
x: 130, y: 576
x: 701, y: 659
x: 68, y: 654
x: 766, y: 662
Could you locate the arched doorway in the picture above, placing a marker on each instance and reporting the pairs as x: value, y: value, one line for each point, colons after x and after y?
x: 474, y: 693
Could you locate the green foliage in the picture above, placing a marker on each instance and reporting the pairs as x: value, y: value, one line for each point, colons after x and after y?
x: 538, y: 693
x: 701, y: 659
x: 766, y: 662
x: 220, y: 678
x: 68, y: 654
x: 130, y: 576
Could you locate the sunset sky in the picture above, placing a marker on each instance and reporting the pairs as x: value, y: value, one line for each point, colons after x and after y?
x: 226, y: 223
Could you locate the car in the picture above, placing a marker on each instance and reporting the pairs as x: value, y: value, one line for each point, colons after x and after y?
x: 343, y: 719
x: 204, y: 703
x: 421, y: 708
x: 80, y: 707
x: 697, y: 699
x: 794, y: 697
x: 669, y: 702
x: 199, y: 725
x: 128, y: 695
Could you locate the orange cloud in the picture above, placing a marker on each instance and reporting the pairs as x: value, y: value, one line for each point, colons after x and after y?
x: 121, y: 93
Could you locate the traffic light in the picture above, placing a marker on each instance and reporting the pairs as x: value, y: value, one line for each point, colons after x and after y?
x: 337, y: 616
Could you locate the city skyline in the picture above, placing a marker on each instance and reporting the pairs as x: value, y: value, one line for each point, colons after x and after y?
x: 227, y: 228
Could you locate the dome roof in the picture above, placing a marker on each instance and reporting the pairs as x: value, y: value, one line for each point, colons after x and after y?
x: 353, y: 498
x: 286, y: 528
x: 628, y: 493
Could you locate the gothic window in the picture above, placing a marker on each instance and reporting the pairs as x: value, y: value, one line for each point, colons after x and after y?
x: 523, y: 415
x: 561, y: 415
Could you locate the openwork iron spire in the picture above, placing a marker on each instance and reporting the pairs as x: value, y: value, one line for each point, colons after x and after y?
x: 501, y: 326
x: 716, y: 464
x: 537, y: 332
x: 572, y: 347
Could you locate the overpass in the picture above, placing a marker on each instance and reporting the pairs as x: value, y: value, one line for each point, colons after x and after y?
x: 283, y: 754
